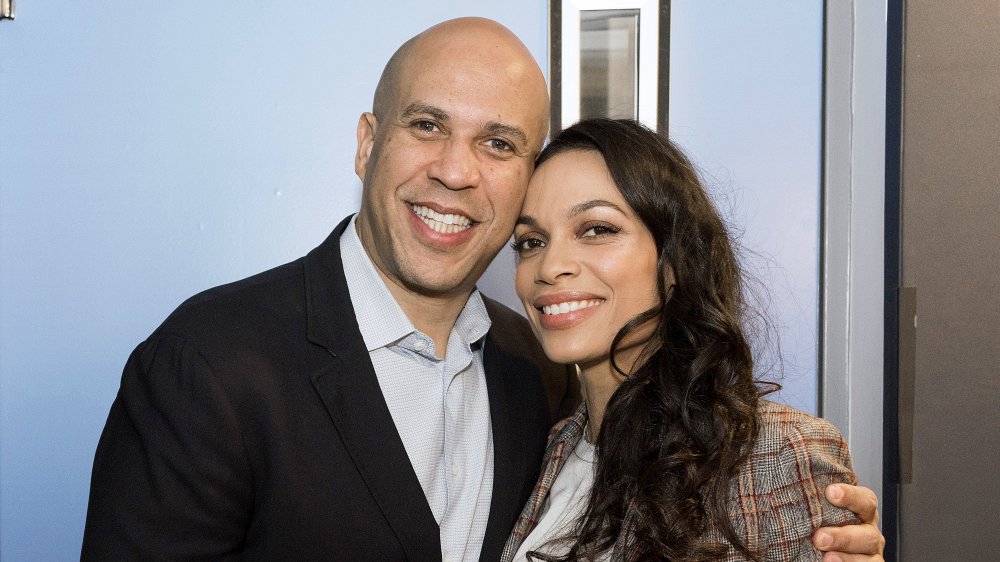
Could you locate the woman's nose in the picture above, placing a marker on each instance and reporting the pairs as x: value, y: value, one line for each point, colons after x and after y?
x: 558, y: 262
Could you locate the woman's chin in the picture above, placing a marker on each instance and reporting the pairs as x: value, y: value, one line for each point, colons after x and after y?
x: 569, y: 354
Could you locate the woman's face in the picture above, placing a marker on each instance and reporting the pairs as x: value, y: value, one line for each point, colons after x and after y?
x: 586, y: 262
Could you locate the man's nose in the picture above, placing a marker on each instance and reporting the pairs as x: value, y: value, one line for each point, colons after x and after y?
x: 456, y: 165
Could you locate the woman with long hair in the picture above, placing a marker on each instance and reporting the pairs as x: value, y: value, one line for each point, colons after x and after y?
x: 626, y: 269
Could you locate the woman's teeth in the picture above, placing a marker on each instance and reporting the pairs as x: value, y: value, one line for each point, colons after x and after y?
x: 569, y: 306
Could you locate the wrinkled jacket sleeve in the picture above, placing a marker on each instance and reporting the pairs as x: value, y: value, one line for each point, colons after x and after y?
x: 813, y: 456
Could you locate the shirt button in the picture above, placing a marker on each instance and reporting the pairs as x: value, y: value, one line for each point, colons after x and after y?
x: 454, y: 469
x: 420, y: 345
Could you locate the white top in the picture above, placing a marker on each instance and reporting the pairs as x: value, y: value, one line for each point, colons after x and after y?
x: 565, y: 504
x: 440, y: 406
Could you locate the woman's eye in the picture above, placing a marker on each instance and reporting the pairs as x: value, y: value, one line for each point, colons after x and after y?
x: 527, y: 244
x: 599, y: 230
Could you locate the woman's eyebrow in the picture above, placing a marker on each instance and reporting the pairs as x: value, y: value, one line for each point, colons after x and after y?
x: 526, y: 220
x: 575, y: 210
x: 587, y: 205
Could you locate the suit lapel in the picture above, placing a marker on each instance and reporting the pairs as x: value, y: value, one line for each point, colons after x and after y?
x: 508, y: 472
x: 350, y: 391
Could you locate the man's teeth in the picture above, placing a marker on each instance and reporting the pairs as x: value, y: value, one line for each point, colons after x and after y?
x: 569, y: 306
x: 445, y: 224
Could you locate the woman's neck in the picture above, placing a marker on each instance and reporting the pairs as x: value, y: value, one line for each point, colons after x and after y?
x: 599, y: 382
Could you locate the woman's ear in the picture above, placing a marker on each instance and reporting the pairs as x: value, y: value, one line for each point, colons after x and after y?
x: 669, y: 279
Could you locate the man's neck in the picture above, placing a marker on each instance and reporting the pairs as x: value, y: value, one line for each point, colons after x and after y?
x: 434, y: 316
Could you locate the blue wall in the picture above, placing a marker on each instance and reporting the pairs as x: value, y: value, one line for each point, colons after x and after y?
x: 746, y: 103
x: 150, y: 151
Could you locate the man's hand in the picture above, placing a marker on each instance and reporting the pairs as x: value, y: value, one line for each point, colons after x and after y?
x: 852, y: 543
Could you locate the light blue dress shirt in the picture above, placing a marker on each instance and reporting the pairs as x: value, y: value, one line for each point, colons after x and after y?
x: 440, y: 406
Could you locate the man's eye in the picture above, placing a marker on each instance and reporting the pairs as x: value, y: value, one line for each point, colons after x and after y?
x: 425, y: 126
x: 500, y: 145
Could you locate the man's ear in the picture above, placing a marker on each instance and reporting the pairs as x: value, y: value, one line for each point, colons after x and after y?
x: 367, y: 126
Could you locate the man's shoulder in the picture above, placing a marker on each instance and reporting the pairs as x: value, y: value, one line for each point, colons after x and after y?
x: 512, y: 333
x: 267, y: 296
x: 264, y: 282
x: 502, y: 316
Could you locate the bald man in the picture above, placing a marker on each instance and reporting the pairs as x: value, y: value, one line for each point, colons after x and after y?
x: 364, y: 402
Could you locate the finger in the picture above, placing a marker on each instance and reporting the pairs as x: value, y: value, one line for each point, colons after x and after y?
x: 850, y: 539
x: 841, y: 557
x: 862, y: 501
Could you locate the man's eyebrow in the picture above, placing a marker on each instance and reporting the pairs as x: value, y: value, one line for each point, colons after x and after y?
x: 493, y: 127
x: 425, y: 109
x: 587, y: 205
x: 508, y: 131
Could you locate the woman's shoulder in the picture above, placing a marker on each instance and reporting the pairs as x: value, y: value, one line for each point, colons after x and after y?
x: 570, y: 428
x: 780, y: 424
x: 777, y: 498
x: 793, y: 446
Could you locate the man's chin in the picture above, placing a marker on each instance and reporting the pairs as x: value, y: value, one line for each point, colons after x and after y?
x: 434, y: 280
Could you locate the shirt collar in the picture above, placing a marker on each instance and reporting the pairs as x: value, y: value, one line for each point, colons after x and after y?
x: 381, y: 320
x: 473, y: 322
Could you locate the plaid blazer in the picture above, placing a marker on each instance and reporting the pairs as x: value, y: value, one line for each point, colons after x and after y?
x: 775, y: 501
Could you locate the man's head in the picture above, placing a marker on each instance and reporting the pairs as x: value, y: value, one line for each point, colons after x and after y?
x: 459, y: 115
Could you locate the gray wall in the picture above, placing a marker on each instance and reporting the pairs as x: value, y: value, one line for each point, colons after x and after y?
x: 951, y: 254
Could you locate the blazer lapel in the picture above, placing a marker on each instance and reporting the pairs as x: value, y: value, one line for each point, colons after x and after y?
x: 350, y: 391
x: 508, y: 472
x: 563, y: 439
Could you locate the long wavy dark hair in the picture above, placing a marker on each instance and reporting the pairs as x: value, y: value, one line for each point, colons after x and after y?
x: 682, y: 422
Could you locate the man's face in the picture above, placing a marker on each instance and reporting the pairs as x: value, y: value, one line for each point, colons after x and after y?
x: 446, y: 166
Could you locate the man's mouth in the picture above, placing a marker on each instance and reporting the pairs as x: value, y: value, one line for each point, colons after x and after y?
x: 440, y: 222
x: 568, y: 306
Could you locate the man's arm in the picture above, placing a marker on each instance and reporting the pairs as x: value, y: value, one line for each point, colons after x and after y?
x: 852, y: 543
x: 171, y: 477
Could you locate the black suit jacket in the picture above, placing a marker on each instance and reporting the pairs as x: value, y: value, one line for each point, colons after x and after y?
x: 250, y: 425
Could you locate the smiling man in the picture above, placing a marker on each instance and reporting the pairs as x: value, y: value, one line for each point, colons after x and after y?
x: 445, y: 158
x: 364, y: 402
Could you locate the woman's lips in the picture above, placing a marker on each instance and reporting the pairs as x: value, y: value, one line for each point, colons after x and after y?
x: 563, y: 310
x: 568, y: 306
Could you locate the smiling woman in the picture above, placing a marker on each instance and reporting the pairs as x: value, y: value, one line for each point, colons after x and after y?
x: 586, y: 263
x: 626, y: 269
